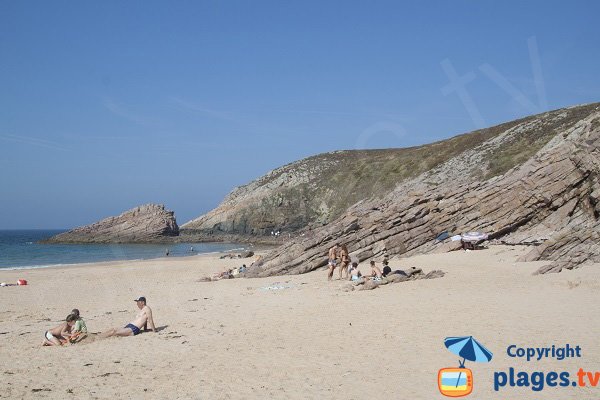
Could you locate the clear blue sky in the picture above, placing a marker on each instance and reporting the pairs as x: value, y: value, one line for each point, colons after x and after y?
x: 109, y: 104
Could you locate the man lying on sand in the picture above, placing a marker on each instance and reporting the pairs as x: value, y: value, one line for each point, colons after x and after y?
x: 225, y: 274
x: 143, y: 319
x: 61, y: 333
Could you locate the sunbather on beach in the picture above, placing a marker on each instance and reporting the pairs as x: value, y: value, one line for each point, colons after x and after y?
x: 142, y: 320
x: 355, y: 274
x: 386, y: 268
x: 222, y: 275
x: 375, y: 272
x: 344, y: 262
x: 61, y: 333
x: 257, y: 262
x: 332, y: 260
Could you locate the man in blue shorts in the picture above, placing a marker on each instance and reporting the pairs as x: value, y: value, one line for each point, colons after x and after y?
x: 142, y: 320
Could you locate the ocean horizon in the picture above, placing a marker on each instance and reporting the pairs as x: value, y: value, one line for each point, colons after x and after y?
x: 21, y: 249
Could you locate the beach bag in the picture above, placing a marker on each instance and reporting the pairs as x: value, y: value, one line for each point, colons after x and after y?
x: 21, y: 282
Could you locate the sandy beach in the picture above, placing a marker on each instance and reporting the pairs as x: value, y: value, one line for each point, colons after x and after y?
x: 297, y: 337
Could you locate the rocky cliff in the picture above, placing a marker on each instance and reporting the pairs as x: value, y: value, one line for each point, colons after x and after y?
x: 147, y: 223
x: 549, y: 198
x: 317, y: 190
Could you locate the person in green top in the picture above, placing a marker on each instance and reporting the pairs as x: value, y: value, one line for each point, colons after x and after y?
x: 80, y: 323
x: 80, y: 329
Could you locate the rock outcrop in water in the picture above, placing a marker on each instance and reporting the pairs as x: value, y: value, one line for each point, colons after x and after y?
x: 551, y: 201
x: 143, y: 224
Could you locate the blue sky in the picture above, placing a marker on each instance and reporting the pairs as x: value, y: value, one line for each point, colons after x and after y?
x: 107, y: 105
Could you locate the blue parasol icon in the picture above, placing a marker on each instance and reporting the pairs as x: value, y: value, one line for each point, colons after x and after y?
x: 469, y: 349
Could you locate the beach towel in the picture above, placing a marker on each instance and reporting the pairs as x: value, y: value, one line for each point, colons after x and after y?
x: 442, y: 236
x: 474, y: 236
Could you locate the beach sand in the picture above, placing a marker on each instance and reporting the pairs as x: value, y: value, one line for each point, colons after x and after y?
x: 236, y: 339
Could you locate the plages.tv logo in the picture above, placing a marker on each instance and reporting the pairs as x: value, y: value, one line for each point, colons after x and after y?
x: 458, y: 382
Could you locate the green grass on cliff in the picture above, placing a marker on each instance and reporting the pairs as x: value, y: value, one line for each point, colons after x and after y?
x: 347, y: 177
x: 361, y: 174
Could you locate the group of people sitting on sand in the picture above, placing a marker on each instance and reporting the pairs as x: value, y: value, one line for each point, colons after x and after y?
x: 339, y: 257
x: 228, y: 273
x: 74, y: 329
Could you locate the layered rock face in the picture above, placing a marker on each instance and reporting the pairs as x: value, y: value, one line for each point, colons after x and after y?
x: 143, y: 224
x: 551, y: 199
x: 317, y: 190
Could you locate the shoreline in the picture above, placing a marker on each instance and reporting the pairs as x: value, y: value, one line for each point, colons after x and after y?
x: 23, y: 251
x: 256, y: 249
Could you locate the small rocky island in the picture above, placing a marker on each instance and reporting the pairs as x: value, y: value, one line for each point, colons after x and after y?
x: 150, y: 223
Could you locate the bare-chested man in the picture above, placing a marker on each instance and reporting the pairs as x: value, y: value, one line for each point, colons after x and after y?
x: 375, y: 271
x: 333, y: 260
x: 143, y: 319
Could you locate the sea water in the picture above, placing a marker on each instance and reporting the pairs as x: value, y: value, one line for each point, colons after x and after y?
x: 21, y: 249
